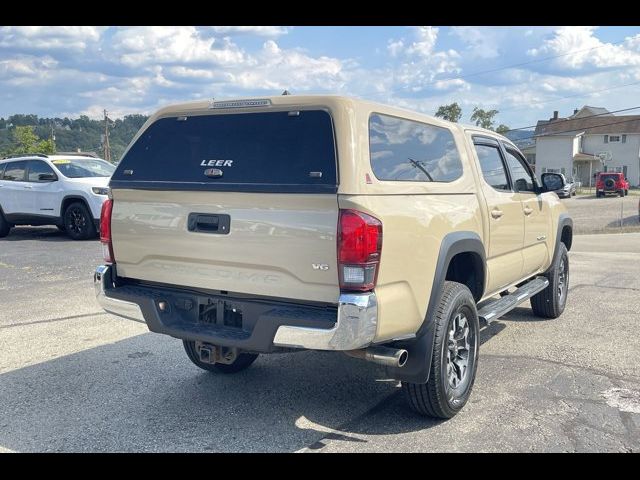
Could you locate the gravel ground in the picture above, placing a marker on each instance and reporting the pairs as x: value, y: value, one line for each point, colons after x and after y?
x: 602, y: 215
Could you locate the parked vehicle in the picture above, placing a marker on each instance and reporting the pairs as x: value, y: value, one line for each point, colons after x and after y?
x: 62, y: 190
x: 568, y: 189
x: 329, y: 223
x: 611, y: 182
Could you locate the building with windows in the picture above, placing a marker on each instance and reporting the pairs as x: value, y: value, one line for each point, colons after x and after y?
x: 589, y: 141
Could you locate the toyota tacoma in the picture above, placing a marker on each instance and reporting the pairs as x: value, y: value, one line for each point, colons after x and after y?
x: 267, y: 225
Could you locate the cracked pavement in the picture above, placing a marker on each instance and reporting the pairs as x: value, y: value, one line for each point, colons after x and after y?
x: 73, y: 378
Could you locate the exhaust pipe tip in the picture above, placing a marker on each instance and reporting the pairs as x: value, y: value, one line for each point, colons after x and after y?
x: 403, y: 356
x: 389, y: 357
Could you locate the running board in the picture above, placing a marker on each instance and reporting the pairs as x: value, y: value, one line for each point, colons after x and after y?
x: 498, y: 308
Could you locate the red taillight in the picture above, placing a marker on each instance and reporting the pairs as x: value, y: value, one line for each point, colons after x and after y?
x: 359, y: 249
x: 105, y: 231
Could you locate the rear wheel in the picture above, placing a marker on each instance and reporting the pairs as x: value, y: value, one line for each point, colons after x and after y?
x: 621, y: 193
x: 5, y: 227
x: 454, y: 357
x: 550, y: 302
x: 78, y: 222
x: 242, y: 361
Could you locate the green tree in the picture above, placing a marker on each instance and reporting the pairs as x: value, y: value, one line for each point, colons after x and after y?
x: 502, y: 129
x: 483, y: 118
x: 451, y: 112
x: 26, y: 141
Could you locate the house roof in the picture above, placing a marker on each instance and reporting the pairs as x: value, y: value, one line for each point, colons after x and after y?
x: 587, y: 110
x: 604, y: 124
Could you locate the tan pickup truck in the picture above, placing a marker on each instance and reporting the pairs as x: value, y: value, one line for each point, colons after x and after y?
x: 330, y: 223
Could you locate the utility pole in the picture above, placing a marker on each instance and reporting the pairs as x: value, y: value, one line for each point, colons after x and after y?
x: 52, y: 136
x: 107, y: 148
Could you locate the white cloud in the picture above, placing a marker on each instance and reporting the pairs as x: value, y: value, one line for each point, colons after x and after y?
x: 275, y: 68
x: 140, y: 46
x: 481, y: 42
x: 264, y: 31
x: 395, y: 47
x: 427, y: 37
x: 580, y: 48
x: 49, y: 38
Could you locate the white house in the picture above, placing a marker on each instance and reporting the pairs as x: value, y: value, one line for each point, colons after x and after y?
x: 576, y: 145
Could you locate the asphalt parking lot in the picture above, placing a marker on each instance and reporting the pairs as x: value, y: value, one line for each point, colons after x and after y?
x: 73, y: 378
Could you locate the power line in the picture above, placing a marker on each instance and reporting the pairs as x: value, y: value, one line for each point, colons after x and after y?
x: 571, y: 96
x: 586, y: 128
x: 573, y: 119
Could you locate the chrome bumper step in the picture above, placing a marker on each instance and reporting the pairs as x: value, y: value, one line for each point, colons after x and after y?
x: 497, y: 308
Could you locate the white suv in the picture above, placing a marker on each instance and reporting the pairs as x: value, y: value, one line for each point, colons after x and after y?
x: 62, y: 190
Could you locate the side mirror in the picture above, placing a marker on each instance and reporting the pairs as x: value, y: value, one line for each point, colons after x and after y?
x: 47, y: 177
x: 552, y: 182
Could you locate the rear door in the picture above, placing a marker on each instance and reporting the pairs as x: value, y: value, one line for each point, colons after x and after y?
x: 506, y: 221
x: 45, y: 198
x: 240, y: 202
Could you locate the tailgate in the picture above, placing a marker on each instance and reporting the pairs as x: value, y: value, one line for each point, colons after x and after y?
x: 272, y: 244
x: 243, y: 203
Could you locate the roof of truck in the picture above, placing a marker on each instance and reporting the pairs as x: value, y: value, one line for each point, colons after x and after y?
x: 277, y: 100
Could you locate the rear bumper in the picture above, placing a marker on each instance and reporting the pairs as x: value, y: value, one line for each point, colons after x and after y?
x: 265, y: 325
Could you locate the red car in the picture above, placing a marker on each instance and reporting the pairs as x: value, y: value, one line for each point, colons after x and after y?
x: 611, y: 182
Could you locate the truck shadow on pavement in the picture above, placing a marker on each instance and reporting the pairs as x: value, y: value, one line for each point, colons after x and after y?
x: 143, y: 394
x: 522, y: 314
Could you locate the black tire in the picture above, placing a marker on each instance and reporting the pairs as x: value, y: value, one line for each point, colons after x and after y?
x: 61, y: 228
x: 5, y: 227
x: 550, y: 302
x: 621, y: 193
x: 626, y: 192
x: 598, y: 194
x: 78, y: 222
x: 439, y: 397
x: 243, y: 360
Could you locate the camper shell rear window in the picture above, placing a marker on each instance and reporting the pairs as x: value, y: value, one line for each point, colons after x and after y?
x: 283, y: 151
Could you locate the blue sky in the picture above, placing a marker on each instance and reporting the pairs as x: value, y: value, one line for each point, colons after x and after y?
x: 68, y: 71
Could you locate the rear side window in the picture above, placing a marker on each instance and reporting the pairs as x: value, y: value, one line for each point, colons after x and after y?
x: 404, y: 150
x: 38, y: 168
x: 492, y: 166
x: 266, y: 151
x: 15, y: 171
x: 2, y: 165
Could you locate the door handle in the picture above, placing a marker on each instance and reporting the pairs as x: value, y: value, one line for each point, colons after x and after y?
x: 495, y: 213
x: 528, y: 210
x: 27, y: 187
x: 207, y: 223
